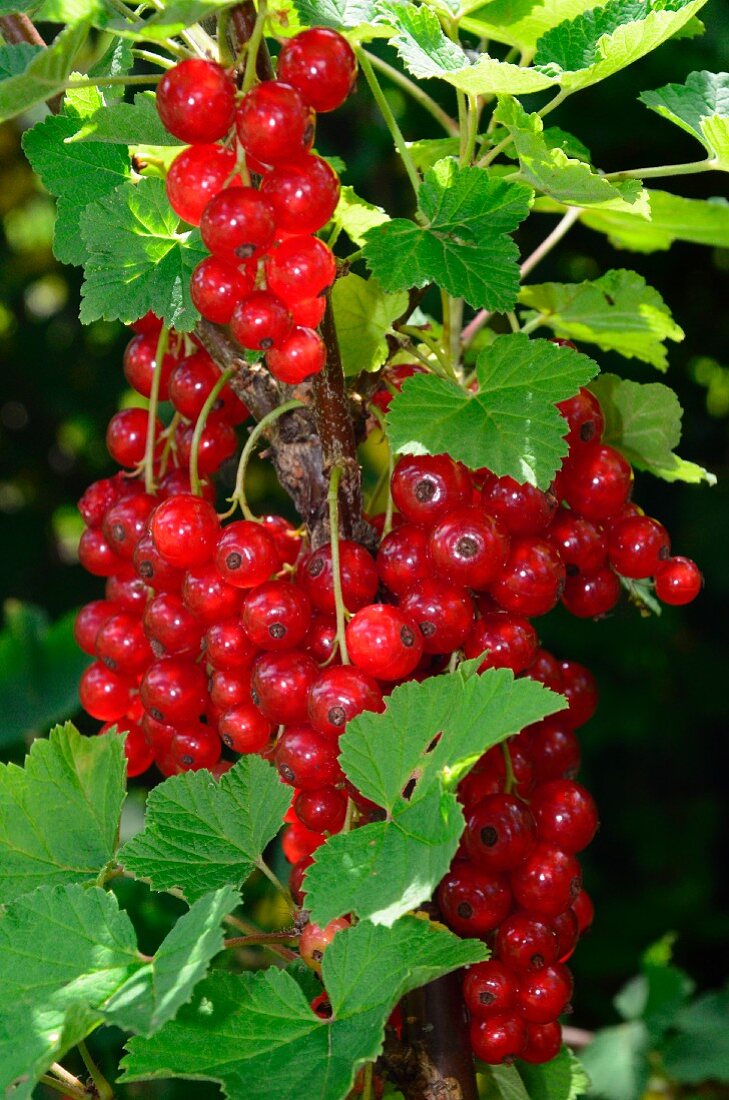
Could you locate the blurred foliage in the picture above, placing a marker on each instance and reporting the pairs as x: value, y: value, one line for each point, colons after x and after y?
x: 656, y: 754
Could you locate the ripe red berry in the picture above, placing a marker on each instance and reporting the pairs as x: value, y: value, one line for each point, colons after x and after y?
x: 384, y: 642
x: 357, y: 572
x: 507, y: 641
x: 229, y: 688
x: 544, y: 1042
x: 105, y: 694
x: 244, y: 729
x: 129, y: 593
x: 207, y: 596
x: 280, y: 685
x: 303, y: 193
x: 140, y: 365
x: 526, y: 942
x: 190, y: 386
x: 216, y: 286
x: 261, y: 321
x: 497, y: 1039
x: 568, y: 932
x: 196, y: 101
x: 276, y: 615
x: 217, y: 443
x: 589, y: 595
x: 548, y: 880
x: 301, y: 267
x: 584, y: 910
x: 301, y: 355
x: 246, y: 554
x: 274, y: 124
x: 489, y: 987
x: 678, y: 581
x: 97, y: 499
x: 185, y: 530
x: 89, y: 621
x: 532, y: 580
x: 196, y: 175
x: 322, y: 637
x: 340, y: 694
x: 139, y: 755
x: 321, y: 64
x: 523, y: 509
x: 468, y: 547
x: 581, y: 544
x: 238, y: 224
x: 309, y: 312
x: 565, y: 813
x: 153, y: 569
x: 546, y: 669
x: 96, y: 556
x: 126, y: 436
x: 322, y: 809
x: 472, y: 901
x: 544, y: 994
x: 306, y: 759
x: 425, y: 487
x: 122, y: 645
x: 637, y: 545
x: 227, y: 646
x: 597, y: 481
x: 315, y: 940
x: 174, y: 691
x: 553, y: 748
x: 500, y: 832
x: 149, y: 324
x: 125, y: 523
x: 298, y: 843
x: 580, y: 689
x: 443, y: 611
x: 170, y: 627
x: 402, y: 559
x: 584, y: 417
x: 197, y: 746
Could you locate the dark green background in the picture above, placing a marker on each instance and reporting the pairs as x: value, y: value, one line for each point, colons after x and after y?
x: 656, y: 754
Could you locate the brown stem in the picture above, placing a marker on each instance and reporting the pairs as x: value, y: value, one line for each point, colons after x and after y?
x: 18, y: 28
x: 242, y: 21
x: 439, y: 1063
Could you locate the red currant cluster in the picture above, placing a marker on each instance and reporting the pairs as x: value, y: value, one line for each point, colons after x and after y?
x: 267, y: 275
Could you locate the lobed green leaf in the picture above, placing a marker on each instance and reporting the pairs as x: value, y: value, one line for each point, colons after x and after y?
x: 700, y: 106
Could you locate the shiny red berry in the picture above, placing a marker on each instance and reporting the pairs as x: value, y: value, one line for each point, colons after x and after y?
x: 523, y: 509
x: 589, y: 595
x: 280, y: 685
x: 580, y: 689
x: 140, y: 365
x: 489, y: 987
x: 323, y: 809
x: 216, y: 286
x: 246, y: 554
x: 196, y: 101
x: 532, y: 580
x: 472, y: 901
x: 500, y: 832
x: 425, y: 487
x: 443, y: 612
x: 170, y: 627
x: 565, y: 813
x: 580, y: 543
x: 340, y: 694
x: 274, y: 124
x: 261, y: 321
x: 196, y: 175
x: 153, y: 569
x: 637, y: 545
x: 526, y: 942
x: 238, y: 224
x: 185, y: 530
x: 195, y: 747
x: 548, y: 880
x: 507, y: 641
x: 89, y: 621
x: 303, y: 193
x: 301, y: 355
x: 207, y: 596
x: 544, y: 1042
x: 126, y: 436
x: 678, y: 581
x: 384, y: 642
x: 468, y: 547
x: 305, y: 759
x: 597, y: 481
x: 126, y: 522
x: 122, y: 645
x: 497, y: 1039
x: 244, y: 729
x: 403, y: 561
x: 276, y: 615
x: 544, y: 994
x: 301, y: 267
x: 174, y: 691
x: 105, y: 694
x: 553, y: 748
x: 584, y: 417
x: 321, y: 64
x: 357, y: 572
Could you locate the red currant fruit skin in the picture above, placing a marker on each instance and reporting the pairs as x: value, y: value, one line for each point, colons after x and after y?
x: 566, y: 814
x: 303, y: 193
x: 238, y: 225
x: 228, y: 689
x: 246, y: 555
x: 315, y: 940
x: 443, y: 612
x: 140, y: 366
x: 128, y: 593
x: 584, y: 417
x: 122, y: 645
x: 152, y: 569
x: 280, y: 685
x: 321, y: 64
x: 597, y: 481
x: 296, y: 879
x: 581, y: 545
x: 580, y: 690
x: 384, y: 642
x: 338, y: 695
x: 544, y: 1042
x: 584, y: 910
x: 678, y: 581
x: 548, y: 881
x: 500, y: 833
x: 96, y: 556
x: 89, y: 621
x: 104, y: 694
x: 309, y: 312
x: 149, y: 325
x: 170, y: 627
x: 274, y: 124
x: 301, y: 267
x: 553, y: 748
x: 402, y: 559
x: 301, y: 355
x: 196, y: 101
x: 298, y: 843
x: 195, y: 747
x: 588, y: 596
x: 218, y: 443
x: 244, y: 729
x: 533, y: 579
x: 522, y: 509
x: 185, y: 530
x: 544, y: 994
x: 176, y: 482
x: 196, y: 175
x: 190, y: 386
x: 425, y: 487
x: 323, y: 809
x: 473, y: 902
x: 637, y: 545
x: 261, y: 321
x: 567, y: 929
x: 307, y: 760
x: 489, y: 987
x: 276, y: 615
x: 139, y: 755
x: 174, y: 691
x: 497, y: 1039
x: 546, y: 669
x: 125, y: 523
x: 394, y: 377
x: 126, y: 436
x: 227, y: 646
x: 526, y: 942
x: 207, y: 596
x: 216, y: 286
x: 357, y: 571
x: 322, y: 637
x: 488, y: 776
x: 468, y: 547
x: 508, y: 641
x: 98, y: 498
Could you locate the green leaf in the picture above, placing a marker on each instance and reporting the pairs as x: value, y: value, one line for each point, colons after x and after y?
x: 419, y: 39
x: 200, y: 834
x: 618, y: 312
x: 45, y: 72
x: 561, y: 1079
x: 40, y: 666
x: 76, y: 174
x: 600, y: 42
x: 335, y: 13
x: 117, y: 60
x: 134, y: 123
x: 355, y: 215
x: 550, y: 170
x: 464, y: 245
x: 700, y: 107
x: 384, y: 869
x: 153, y: 995
x: 510, y: 425
x: 655, y: 997
x: 15, y: 59
x: 700, y: 1051
x: 503, y: 1083
x: 428, y: 151
x: 257, y: 1036
x: 643, y: 420
x: 363, y: 314
x: 71, y: 779
x: 616, y: 1061
x: 174, y: 17
x: 489, y: 76
x: 139, y: 258
x: 519, y: 22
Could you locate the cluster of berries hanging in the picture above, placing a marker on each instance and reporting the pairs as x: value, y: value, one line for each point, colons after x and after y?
x: 267, y: 275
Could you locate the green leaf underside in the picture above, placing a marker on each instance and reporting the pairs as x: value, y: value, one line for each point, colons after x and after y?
x: 201, y: 834
x: 257, y: 1036
x: 616, y: 1061
x: 355, y: 215
x: 561, y: 1079
x: 700, y: 1050
x: 510, y: 425
x: 700, y: 106
x: 140, y: 258
x: 489, y: 76
x: 15, y: 59
x: 600, y: 42
x: 618, y: 312
x: 419, y: 39
x: 70, y: 962
x: 643, y: 420
x: 382, y: 870
x: 44, y: 74
x: 136, y: 123
x: 76, y: 174
x: 171, y: 19
x: 520, y: 22
x: 551, y: 171
x: 465, y: 246
x: 363, y: 313
x: 335, y: 13
x: 69, y: 778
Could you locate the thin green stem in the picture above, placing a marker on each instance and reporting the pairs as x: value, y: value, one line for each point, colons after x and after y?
x: 462, y: 125
x: 513, y: 321
x: 254, y: 42
x: 276, y: 881
x: 688, y: 169
x: 94, y: 81
x: 162, y: 341
x: 74, y: 1092
x: 238, y: 495
x: 367, y: 1082
x: 389, y: 118
x: 472, y: 118
x: 102, y: 1086
x: 154, y: 58
x: 387, y: 472
x: 510, y: 778
x: 262, y: 939
x: 251, y: 929
x: 530, y: 326
x: 200, y: 428
x: 225, y: 56
x: 416, y: 92
x: 333, y: 501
